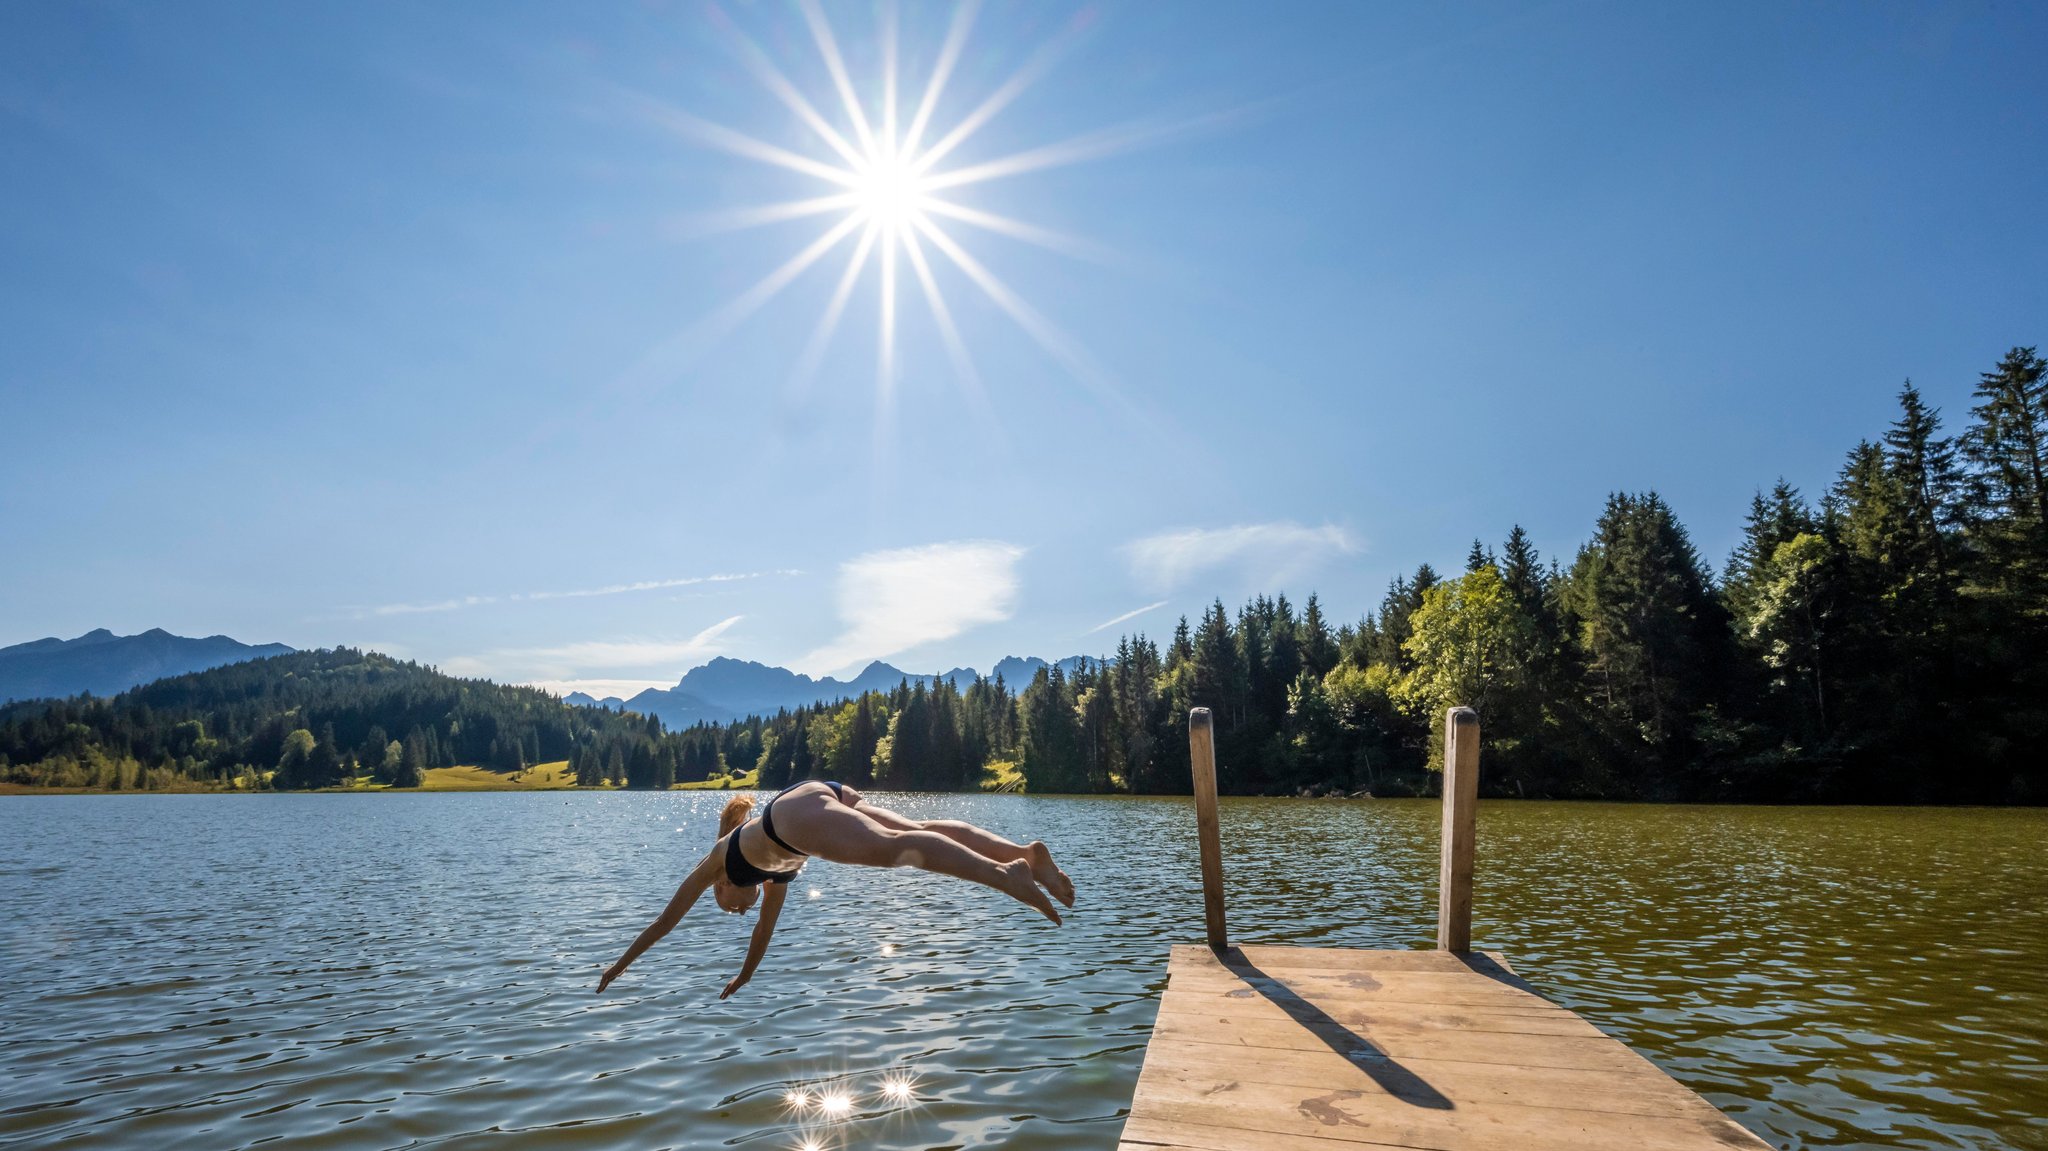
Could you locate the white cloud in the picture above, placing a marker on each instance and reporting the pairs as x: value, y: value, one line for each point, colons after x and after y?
x: 460, y: 602
x: 1105, y: 625
x: 892, y: 601
x: 559, y: 664
x: 1265, y: 553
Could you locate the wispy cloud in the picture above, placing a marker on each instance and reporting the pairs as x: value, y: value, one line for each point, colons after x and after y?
x: 892, y: 601
x: 530, y: 664
x: 468, y: 601
x: 1134, y: 613
x: 1267, y: 553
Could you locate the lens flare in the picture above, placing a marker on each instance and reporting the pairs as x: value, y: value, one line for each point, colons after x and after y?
x: 899, y: 1089
x: 835, y: 1104
x: 796, y: 1099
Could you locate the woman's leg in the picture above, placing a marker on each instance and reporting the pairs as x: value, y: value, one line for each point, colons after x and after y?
x: 841, y: 834
x: 982, y: 841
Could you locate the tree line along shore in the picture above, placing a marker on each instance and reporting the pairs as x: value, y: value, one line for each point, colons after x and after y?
x: 1886, y: 641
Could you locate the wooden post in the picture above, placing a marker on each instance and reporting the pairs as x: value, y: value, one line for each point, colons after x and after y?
x: 1461, y: 803
x: 1202, y: 754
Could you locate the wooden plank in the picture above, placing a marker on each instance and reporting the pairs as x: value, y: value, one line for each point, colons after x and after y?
x: 1492, y: 965
x: 1250, y: 1116
x: 1294, y: 1122
x: 1342, y: 957
x: 1209, y: 838
x: 1306, y: 1049
x: 1363, y: 986
x: 1643, y: 1090
x: 1589, y: 1052
x: 1412, y: 1019
x: 1461, y: 806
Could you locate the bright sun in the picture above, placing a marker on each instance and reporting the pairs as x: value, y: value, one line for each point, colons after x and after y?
x: 889, y: 193
x: 885, y: 183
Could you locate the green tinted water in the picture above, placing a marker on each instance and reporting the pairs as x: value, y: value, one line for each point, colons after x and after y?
x: 402, y: 971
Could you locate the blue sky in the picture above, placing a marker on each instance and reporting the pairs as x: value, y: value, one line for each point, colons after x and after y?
x: 405, y: 325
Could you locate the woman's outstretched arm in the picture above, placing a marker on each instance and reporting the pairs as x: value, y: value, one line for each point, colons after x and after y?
x: 693, y: 886
x: 764, y: 927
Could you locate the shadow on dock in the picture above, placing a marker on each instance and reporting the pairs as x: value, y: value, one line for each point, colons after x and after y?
x: 1381, y: 1068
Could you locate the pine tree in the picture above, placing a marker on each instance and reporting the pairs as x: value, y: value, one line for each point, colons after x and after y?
x: 1772, y: 521
x: 2008, y: 451
x: 1318, y: 646
x: 1654, y: 635
x: 860, y: 741
x: 1521, y: 569
x: 2009, y: 443
x: 1923, y: 463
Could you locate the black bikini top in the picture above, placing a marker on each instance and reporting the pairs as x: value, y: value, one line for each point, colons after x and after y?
x: 744, y: 874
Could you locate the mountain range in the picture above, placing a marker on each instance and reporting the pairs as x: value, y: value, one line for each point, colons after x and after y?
x: 104, y: 664
x: 728, y: 689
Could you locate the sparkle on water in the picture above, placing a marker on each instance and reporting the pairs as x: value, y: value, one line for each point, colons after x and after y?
x: 899, y: 1089
x: 883, y: 180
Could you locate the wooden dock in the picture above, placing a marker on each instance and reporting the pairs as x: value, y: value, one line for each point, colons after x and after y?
x: 1325, y: 1049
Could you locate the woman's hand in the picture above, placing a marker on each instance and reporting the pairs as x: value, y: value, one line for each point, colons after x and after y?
x: 738, y: 981
x: 610, y: 973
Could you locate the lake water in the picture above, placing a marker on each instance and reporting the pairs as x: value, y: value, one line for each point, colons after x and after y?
x: 386, y: 971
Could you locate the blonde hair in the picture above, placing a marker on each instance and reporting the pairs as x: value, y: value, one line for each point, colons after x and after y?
x: 735, y: 813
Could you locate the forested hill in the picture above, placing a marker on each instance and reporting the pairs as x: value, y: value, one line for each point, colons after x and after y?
x: 310, y: 719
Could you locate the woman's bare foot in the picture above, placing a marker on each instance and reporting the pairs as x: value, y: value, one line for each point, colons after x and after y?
x: 1023, y: 887
x: 1049, y: 875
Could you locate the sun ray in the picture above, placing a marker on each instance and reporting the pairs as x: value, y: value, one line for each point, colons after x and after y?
x: 738, y: 143
x: 828, y: 324
x: 1017, y: 229
x: 748, y: 302
x: 1048, y: 336
x: 740, y: 219
x: 1079, y: 149
x: 1037, y: 66
x: 675, y: 352
x: 745, y: 304
x: 885, y: 382
x: 956, y: 348
x: 942, y: 70
x: 828, y: 47
x: 889, y: 151
x: 776, y: 82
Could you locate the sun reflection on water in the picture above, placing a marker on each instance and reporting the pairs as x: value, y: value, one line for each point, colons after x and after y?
x: 822, y: 1105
